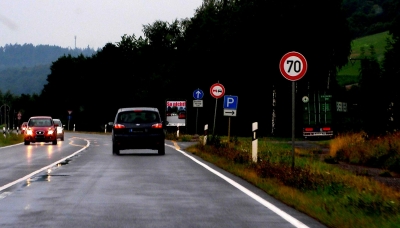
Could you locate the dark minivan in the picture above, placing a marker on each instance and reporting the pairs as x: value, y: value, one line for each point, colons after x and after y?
x: 138, y: 128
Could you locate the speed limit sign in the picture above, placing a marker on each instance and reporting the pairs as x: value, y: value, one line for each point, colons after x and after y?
x: 293, y: 66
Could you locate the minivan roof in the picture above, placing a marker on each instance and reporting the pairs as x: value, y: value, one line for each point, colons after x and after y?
x: 138, y: 108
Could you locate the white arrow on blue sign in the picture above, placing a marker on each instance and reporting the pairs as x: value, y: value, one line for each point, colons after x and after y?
x: 230, y: 102
x: 198, y: 94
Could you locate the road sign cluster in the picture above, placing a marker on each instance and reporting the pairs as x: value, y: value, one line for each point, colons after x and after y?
x: 217, y: 91
x: 292, y: 66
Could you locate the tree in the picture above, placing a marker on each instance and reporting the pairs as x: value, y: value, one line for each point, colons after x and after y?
x: 372, y: 94
x: 238, y: 43
x: 391, y: 71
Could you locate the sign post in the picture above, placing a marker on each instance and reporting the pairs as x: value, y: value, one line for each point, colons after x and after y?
x: 230, y: 109
x: 69, y: 117
x: 293, y: 67
x: 197, y: 102
x: 217, y: 90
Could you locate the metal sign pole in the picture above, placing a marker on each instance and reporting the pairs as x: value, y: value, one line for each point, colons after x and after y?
x: 215, y: 114
x: 293, y: 115
x: 197, y: 114
x: 229, y: 127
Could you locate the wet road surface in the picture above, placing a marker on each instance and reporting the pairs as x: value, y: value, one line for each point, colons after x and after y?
x: 139, y: 188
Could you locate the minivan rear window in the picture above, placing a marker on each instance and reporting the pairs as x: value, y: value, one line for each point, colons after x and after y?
x: 138, y: 117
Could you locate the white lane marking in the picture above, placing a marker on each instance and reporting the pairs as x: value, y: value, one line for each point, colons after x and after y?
x: 267, y: 204
x: 3, y: 147
x: 44, y: 168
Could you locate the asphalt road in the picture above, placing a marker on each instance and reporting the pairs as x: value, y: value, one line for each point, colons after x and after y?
x: 79, y: 183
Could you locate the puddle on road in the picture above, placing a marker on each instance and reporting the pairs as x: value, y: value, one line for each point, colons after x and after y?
x: 47, y: 177
x: 65, y: 162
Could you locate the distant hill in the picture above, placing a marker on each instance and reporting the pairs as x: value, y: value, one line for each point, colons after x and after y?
x: 349, y: 74
x: 24, y: 68
x: 24, y: 80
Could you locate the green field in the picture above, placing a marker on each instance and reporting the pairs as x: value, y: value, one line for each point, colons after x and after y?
x: 349, y: 74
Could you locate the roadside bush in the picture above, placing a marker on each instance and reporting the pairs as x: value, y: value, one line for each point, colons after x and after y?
x: 185, y: 138
x: 358, y: 148
x: 215, y: 140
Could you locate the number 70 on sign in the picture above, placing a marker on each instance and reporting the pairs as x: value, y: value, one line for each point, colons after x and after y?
x: 293, y: 66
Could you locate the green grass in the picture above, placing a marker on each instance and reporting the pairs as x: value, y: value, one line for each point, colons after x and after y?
x: 349, y: 74
x: 333, y: 196
x: 10, y: 139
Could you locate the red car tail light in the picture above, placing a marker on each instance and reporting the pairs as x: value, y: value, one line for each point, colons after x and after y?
x: 157, y: 125
x: 308, y: 129
x: 326, y: 128
x: 119, y: 126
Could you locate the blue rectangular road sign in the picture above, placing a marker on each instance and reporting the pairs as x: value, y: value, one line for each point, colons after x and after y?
x: 230, y: 102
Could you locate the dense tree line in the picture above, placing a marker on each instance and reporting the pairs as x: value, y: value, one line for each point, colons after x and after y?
x: 236, y: 43
x: 368, y: 17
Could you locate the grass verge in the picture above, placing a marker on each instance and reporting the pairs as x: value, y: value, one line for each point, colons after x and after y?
x: 333, y: 196
x: 10, y: 139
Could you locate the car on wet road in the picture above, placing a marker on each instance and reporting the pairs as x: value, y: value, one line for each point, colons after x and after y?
x: 138, y: 128
x: 60, y: 129
x: 40, y: 129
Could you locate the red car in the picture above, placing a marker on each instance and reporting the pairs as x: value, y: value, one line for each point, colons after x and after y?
x: 41, y: 129
x: 182, y: 115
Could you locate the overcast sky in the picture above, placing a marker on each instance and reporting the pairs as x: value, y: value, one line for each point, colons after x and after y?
x: 93, y: 22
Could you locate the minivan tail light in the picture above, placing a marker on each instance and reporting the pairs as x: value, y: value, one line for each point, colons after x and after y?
x: 157, y: 125
x: 308, y: 129
x: 119, y: 126
x: 326, y: 128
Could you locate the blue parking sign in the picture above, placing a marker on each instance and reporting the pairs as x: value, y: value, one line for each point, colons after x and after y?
x: 230, y: 102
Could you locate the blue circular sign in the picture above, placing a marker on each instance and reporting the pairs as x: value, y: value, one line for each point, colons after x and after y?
x: 198, y: 94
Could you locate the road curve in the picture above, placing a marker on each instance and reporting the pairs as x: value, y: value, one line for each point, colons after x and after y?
x: 139, y: 188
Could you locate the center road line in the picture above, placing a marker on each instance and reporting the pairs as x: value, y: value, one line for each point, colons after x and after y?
x: 44, y: 168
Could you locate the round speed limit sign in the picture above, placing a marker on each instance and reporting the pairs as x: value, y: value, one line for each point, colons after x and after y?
x: 293, y: 66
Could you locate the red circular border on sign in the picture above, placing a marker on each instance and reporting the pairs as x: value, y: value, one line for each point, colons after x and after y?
x: 282, y: 69
x: 223, y: 90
